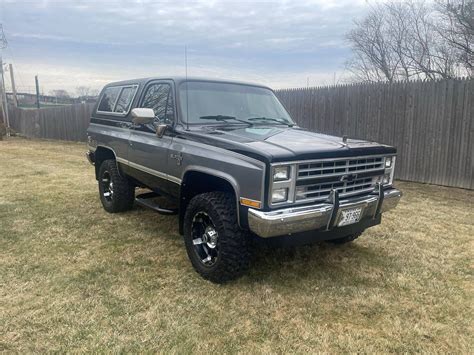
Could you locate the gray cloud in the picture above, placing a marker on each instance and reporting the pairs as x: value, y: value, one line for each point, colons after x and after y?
x: 286, y: 41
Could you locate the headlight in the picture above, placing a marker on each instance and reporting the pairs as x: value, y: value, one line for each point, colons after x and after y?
x: 281, y: 173
x: 389, y: 171
x: 279, y: 195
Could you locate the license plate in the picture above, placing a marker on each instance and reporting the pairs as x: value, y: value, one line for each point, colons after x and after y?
x: 350, y: 216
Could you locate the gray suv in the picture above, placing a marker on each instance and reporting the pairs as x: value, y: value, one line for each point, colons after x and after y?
x: 235, y: 167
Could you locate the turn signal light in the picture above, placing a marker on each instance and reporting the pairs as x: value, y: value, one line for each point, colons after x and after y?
x: 250, y: 203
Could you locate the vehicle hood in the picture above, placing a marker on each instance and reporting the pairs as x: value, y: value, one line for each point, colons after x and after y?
x: 276, y: 143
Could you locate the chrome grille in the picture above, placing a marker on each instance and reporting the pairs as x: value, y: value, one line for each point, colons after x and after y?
x: 349, y: 176
x: 339, y: 167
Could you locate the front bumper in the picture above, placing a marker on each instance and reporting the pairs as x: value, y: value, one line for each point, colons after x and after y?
x: 325, y: 216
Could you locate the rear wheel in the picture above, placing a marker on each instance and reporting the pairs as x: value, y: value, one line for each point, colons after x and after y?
x: 347, y: 239
x: 116, y: 193
x: 217, y: 247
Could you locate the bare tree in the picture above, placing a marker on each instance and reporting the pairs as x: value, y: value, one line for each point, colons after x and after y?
x: 60, y: 93
x: 431, y: 57
x: 82, y: 91
x: 398, y: 29
x: 373, y: 58
x: 399, y: 41
x: 457, y: 28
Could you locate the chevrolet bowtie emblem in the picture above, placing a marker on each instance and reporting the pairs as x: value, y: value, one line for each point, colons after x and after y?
x: 348, y: 177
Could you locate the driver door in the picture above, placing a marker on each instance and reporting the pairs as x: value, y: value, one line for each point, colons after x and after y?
x: 148, y: 153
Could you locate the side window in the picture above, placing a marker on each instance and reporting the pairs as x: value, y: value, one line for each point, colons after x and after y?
x: 125, y: 99
x: 159, y: 97
x: 108, y: 99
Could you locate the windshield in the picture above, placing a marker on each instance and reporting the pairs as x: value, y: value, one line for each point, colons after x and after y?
x: 209, y: 102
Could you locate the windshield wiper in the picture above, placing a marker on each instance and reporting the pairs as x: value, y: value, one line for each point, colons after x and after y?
x: 282, y: 121
x: 224, y: 118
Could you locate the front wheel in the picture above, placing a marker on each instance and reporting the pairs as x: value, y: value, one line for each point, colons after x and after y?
x: 116, y: 193
x: 217, y: 247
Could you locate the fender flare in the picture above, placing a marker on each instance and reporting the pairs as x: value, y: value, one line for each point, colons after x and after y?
x: 219, y: 174
x: 97, y: 167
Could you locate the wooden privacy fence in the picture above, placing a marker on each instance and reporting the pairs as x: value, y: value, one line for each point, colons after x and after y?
x: 430, y: 123
x: 64, y: 122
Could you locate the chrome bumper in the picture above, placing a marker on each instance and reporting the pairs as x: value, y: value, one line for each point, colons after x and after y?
x: 321, y: 216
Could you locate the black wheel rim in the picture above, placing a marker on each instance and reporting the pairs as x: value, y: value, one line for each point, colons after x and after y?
x: 107, y: 186
x: 205, y: 239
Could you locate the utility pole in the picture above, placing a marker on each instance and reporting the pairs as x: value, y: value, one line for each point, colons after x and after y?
x: 4, y: 99
x: 37, y: 92
x: 3, y: 45
x: 12, y: 78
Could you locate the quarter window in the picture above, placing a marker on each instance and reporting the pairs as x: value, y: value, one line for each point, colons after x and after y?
x: 125, y: 99
x: 117, y: 99
x: 159, y: 97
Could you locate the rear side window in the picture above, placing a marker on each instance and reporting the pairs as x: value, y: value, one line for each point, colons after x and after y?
x: 117, y: 99
x: 107, y: 103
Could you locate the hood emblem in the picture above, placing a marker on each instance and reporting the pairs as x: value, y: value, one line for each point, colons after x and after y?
x: 344, y: 141
x: 348, y: 178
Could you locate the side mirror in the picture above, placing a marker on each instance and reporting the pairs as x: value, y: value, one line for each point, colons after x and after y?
x: 142, y: 115
x: 161, y: 129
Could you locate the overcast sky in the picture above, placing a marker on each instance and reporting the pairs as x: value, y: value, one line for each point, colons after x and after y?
x: 73, y: 43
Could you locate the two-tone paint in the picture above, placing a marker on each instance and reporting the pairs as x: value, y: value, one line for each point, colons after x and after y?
x: 240, y: 155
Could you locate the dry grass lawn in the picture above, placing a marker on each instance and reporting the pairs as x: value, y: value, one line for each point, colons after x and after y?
x: 74, y: 277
